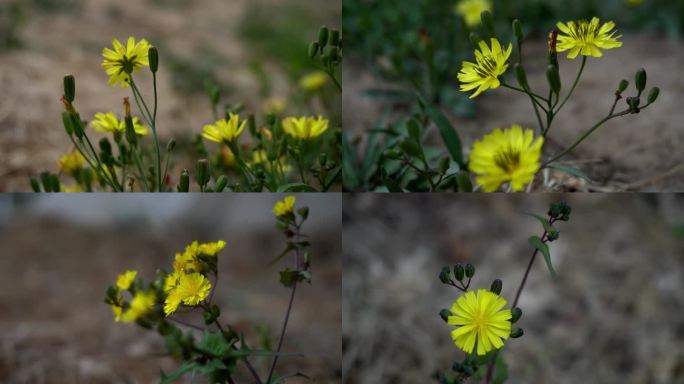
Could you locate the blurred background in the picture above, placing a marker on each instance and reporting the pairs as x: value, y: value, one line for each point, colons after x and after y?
x: 60, y: 253
x: 615, y: 314
x: 255, y: 51
x: 387, y: 63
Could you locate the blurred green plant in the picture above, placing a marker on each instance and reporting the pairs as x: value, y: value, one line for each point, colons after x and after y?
x: 12, y: 18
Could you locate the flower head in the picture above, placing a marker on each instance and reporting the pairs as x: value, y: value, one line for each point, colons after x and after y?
x: 117, y: 310
x: 586, y: 37
x: 108, y: 122
x: 313, y: 81
x: 470, y: 10
x: 141, y: 304
x: 510, y: 155
x: 305, y: 127
x: 189, y: 289
x: 274, y: 105
x: 124, y: 281
x: 491, y: 63
x: 125, y: 59
x: 212, y: 249
x: 71, y: 163
x: 282, y: 208
x: 481, y: 321
x: 225, y: 131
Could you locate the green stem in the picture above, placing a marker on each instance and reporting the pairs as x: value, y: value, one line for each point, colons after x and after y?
x: 534, y: 105
x: 572, y: 89
x: 152, y: 123
x: 138, y: 162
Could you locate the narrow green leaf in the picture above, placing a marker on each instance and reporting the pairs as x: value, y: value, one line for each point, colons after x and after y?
x: 544, y: 222
x: 569, y: 170
x: 536, y: 242
x: 447, y: 131
x: 171, y: 377
x: 290, y: 247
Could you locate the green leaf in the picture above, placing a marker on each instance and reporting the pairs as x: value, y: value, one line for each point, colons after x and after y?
x: 544, y: 222
x: 296, y: 187
x: 171, y: 377
x: 214, y: 344
x: 290, y: 247
x: 391, y: 185
x: 289, y: 277
x: 500, y: 370
x: 536, y: 242
x: 447, y: 131
x: 569, y: 170
x: 332, y: 176
x: 351, y: 178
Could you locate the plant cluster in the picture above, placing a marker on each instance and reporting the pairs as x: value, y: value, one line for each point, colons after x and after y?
x: 507, y: 159
x: 284, y: 153
x: 483, y: 325
x: 189, y: 288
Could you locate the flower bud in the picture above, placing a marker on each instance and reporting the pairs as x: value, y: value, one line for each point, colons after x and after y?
x: 35, y: 185
x: 171, y: 145
x: 469, y: 270
x: 474, y: 38
x: 516, y: 333
x: 520, y: 75
x: 444, y: 314
x: 131, y: 136
x: 66, y: 121
x: 314, y: 48
x: 444, y: 275
x: 153, y: 56
x: 517, y: 29
x: 76, y: 125
x: 633, y: 103
x: 621, y: 87
x: 560, y: 211
x: 553, y: 234
x: 335, y: 37
x: 105, y: 146
x: 488, y: 22
x: 332, y: 53
x: 221, y: 183
x: 653, y: 94
x: 203, y: 172
x: 640, y: 80
x: 459, y: 272
x: 496, y: 287
x: 184, y: 183
x: 323, y: 36
x: 251, y: 125
x: 457, y: 367
x: 69, y: 88
x: 553, y: 78
x: 516, y: 313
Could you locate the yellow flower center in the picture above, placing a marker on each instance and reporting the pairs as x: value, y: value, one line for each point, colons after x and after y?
x: 507, y: 159
x: 487, y: 67
x: 585, y: 31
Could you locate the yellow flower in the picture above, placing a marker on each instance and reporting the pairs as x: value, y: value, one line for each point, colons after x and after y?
x: 227, y: 156
x: 71, y: 163
x: 510, y: 155
x: 124, y: 281
x: 70, y: 188
x: 172, y: 280
x: 260, y: 157
x: 274, y: 105
x: 305, y: 127
x: 185, y: 261
x: 141, y: 304
x: 107, y: 122
x: 313, y: 81
x: 117, y: 310
x: 125, y: 59
x: 586, y: 37
x: 225, y: 131
x: 285, y: 206
x: 212, y: 249
x: 193, y: 288
x: 171, y: 302
x: 491, y: 63
x: 480, y: 320
x: 470, y: 10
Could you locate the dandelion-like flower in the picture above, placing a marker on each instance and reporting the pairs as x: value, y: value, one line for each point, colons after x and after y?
x: 224, y: 131
x: 491, y: 63
x: 212, y: 249
x: 71, y: 163
x: 125, y: 59
x: 108, y: 122
x: 313, y: 81
x: 511, y: 155
x: 124, y: 281
x: 470, y: 10
x: 481, y: 321
x: 141, y: 304
x: 285, y: 206
x: 305, y: 128
x: 189, y: 289
x: 586, y: 37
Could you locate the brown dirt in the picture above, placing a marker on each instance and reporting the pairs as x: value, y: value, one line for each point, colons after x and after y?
x: 633, y: 152
x: 614, y: 315
x: 53, y: 274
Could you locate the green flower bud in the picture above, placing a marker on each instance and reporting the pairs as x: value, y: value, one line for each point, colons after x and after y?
x: 323, y: 36
x: 633, y: 103
x: 314, y: 49
x: 457, y: 367
x: 553, y: 235
x: 444, y: 275
x: 516, y: 333
x: 332, y: 53
x: 517, y: 29
x: 469, y: 270
x: 131, y: 136
x: 653, y: 94
x: 171, y: 145
x: 105, y: 146
x: 520, y: 75
x: 76, y: 125
x: 66, y: 121
x: 153, y: 56
x: 488, y: 22
x: 69, y: 88
x: 560, y: 211
x: 640, y: 80
x: 553, y: 78
x: 334, y: 37
x: 184, y: 183
x: 203, y: 172
x: 621, y: 87
x: 444, y: 314
x: 516, y: 313
x: 251, y: 125
x: 45, y: 180
x: 221, y: 183
x: 474, y: 39
x: 35, y: 185
x: 459, y: 272
x: 496, y: 287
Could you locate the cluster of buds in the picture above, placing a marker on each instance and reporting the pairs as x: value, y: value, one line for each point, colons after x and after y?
x: 328, y: 47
